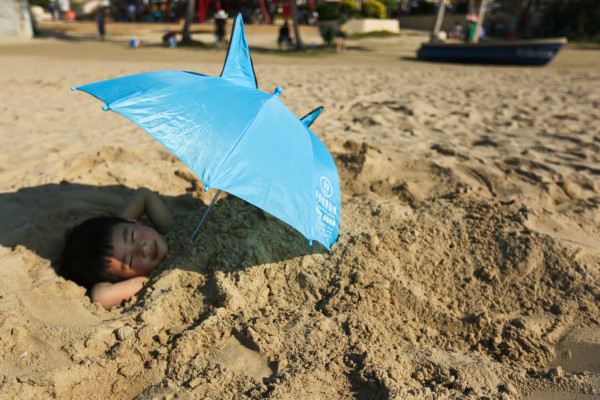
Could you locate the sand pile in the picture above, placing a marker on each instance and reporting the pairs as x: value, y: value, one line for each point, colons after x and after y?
x: 467, y: 264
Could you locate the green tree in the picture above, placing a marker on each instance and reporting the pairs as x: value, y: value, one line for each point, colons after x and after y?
x: 423, y: 7
x: 374, y: 9
x: 577, y: 19
x: 390, y: 4
x: 41, y: 3
x: 349, y: 8
x: 328, y: 11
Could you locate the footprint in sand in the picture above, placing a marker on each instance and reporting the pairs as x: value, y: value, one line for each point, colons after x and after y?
x: 243, y: 360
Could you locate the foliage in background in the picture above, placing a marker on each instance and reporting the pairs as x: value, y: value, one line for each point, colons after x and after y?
x: 461, y: 6
x: 374, y: 9
x: 348, y: 8
x: 373, y: 34
x: 42, y: 3
x: 328, y: 11
x: 391, y: 5
x: 576, y: 19
x: 422, y: 7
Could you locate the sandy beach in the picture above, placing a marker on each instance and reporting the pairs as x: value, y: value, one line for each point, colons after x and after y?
x: 468, y: 262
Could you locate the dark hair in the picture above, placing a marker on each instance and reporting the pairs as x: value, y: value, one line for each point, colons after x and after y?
x: 88, y: 246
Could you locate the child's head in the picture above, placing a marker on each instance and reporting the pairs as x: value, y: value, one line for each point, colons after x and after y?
x: 110, y: 249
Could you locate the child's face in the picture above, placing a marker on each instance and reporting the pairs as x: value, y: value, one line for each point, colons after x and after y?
x: 137, y: 250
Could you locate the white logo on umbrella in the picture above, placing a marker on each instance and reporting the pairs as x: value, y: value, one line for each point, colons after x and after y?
x: 326, y: 187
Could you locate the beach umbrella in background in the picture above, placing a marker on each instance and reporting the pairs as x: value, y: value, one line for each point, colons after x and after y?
x: 236, y: 138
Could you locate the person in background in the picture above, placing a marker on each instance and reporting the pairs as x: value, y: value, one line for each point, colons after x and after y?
x: 220, y: 30
x: 284, y: 36
x: 52, y: 9
x: 341, y: 35
x: 101, y: 24
x: 169, y: 38
x: 456, y: 32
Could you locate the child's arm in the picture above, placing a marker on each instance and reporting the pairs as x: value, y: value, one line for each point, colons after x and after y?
x: 147, y: 202
x: 114, y: 294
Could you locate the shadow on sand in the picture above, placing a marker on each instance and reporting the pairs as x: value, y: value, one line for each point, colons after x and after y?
x: 38, y: 218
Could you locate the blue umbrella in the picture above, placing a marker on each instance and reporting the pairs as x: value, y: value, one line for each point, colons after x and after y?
x: 236, y: 138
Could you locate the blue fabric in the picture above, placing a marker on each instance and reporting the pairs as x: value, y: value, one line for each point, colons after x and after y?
x: 236, y: 138
x: 309, y: 118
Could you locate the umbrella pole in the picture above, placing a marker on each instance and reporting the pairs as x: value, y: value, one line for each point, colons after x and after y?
x: 206, y: 212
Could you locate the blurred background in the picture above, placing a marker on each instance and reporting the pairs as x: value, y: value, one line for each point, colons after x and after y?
x: 578, y: 20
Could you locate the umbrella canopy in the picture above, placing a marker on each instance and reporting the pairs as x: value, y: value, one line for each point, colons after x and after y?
x: 236, y: 138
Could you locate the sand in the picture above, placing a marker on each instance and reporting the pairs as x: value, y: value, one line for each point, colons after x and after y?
x: 467, y: 264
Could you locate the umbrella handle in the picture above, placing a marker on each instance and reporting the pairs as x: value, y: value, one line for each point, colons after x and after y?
x: 206, y: 212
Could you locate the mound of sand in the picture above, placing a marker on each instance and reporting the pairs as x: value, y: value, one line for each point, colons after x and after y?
x: 466, y: 267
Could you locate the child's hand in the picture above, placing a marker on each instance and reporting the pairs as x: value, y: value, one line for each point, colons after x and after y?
x: 114, y: 294
x: 146, y: 202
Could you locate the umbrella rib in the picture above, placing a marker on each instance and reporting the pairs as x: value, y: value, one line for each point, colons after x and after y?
x: 205, y: 213
x: 117, y: 102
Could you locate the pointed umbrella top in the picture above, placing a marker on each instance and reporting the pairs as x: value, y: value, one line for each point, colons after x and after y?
x: 238, y: 64
x: 309, y: 118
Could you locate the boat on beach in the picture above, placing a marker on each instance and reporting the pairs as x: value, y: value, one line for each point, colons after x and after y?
x: 510, y: 52
x: 486, y: 51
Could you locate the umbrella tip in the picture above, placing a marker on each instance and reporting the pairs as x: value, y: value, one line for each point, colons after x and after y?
x: 277, y: 91
x: 73, y: 89
x: 105, y: 108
